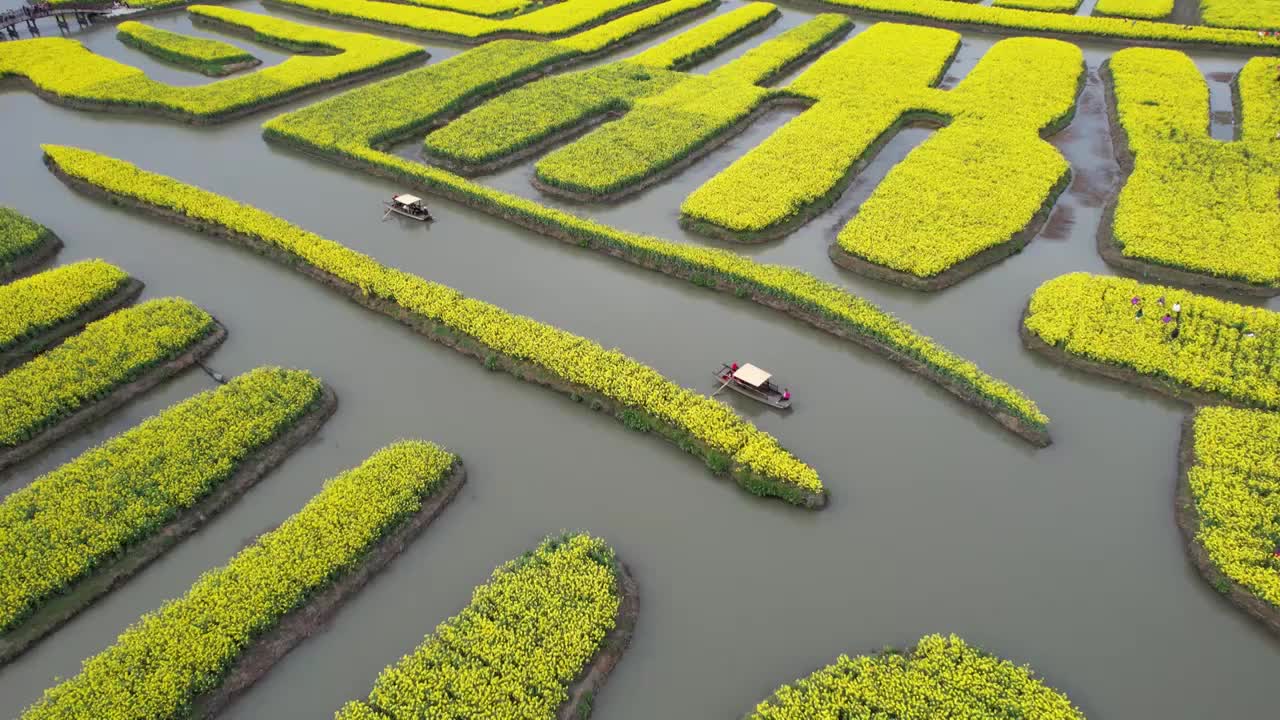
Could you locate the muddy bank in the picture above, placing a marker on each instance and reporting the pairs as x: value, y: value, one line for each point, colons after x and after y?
x: 584, y: 689
x: 1188, y: 519
x: 634, y: 418
x: 1109, y: 247
x: 116, y: 398
x: 32, y: 346
x: 297, y: 625
x: 61, y: 608
x: 48, y: 246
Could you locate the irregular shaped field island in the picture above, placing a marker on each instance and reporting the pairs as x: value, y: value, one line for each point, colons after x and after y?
x: 1259, y: 14
x: 63, y: 71
x: 1142, y: 9
x: 554, y: 20
x: 353, y: 128
x: 1195, y: 211
x: 536, y: 642
x: 24, y: 243
x: 939, y: 677
x: 974, y: 193
x: 193, y: 655
x: 77, y: 532
x: 1033, y: 22
x: 204, y: 55
x: 112, y: 361
x: 1228, y: 505
x: 528, y: 119
x: 661, y: 133
x: 42, y: 309
x: 637, y: 395
x: 1191, y: 347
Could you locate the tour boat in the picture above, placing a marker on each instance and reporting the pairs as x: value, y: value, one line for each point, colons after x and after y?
x: 410, y: 206
x: 755, y: 383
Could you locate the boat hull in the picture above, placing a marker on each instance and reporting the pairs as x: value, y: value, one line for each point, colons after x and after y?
x: 772, y: 399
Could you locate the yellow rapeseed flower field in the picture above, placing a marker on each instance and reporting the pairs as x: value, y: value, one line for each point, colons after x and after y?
x: 87, y: 512
x: 204, y: 54
x: 18, y: 235
x: 34, y: 304
x: 1236, y: 486
x: 64, y: 67
x: 1193, y: 341
x: 109, y: 353
x: 513, y: 651
x: 1193, y: 202
x: 162, y: 662
x: 942, y: 677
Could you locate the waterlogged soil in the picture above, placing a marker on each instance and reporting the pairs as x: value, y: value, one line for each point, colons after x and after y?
x: 1067, y: 558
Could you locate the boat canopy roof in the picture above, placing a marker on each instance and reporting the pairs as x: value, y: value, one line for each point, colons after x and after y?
x: 752, y: 375
x: 408, y: 199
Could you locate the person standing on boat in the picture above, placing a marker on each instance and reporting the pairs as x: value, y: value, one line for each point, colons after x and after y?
x: 786, y: 394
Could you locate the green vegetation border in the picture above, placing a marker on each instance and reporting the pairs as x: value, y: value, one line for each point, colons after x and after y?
x: 259, y: 656
x: 113, y: 400
x: 583, y: 690
x: 1187, y: 515
x: 633, y: 418
x: 1110, y: 249
x: 84, y: 592
x: 128, y: 291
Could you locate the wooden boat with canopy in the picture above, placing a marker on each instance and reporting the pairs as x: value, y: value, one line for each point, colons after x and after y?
x: 755, y: 383
x: 410, y: 206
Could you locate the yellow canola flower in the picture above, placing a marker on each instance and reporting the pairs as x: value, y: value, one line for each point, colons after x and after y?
x: 190, y: 50
x: 18, y: 235
x: 511, y: 653
x: 548, y: 21
x: 942, y: 677
x: 1193, y: 202
x: 1208, y: 345
x: 65, y: 68
x: 1236, y: 486
x: 1033, y: 21
x: 666, y: 123
x: 35, y: 304
x: 109, y: 353
x: 1143, y: 9
x: 87, y: 512
x: 165, y: 660
x: 563, y: 355
x: 1261, y: 14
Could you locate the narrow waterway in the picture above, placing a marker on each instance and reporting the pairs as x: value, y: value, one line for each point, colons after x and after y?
x: 1065, y: 558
